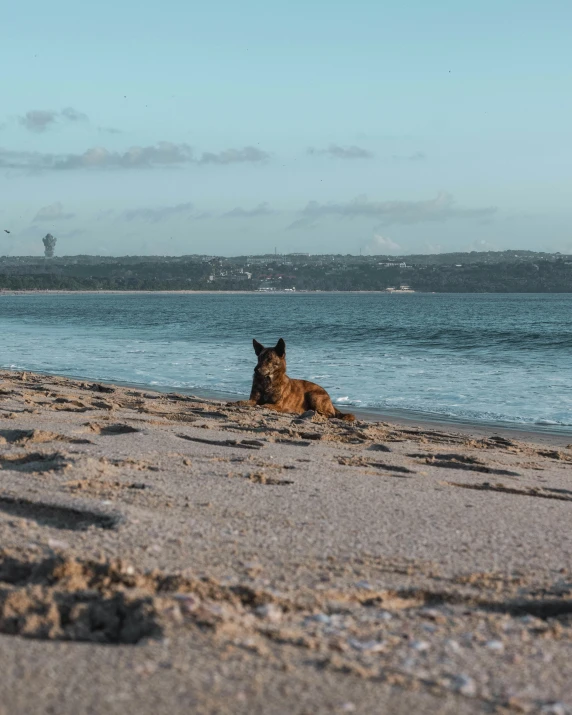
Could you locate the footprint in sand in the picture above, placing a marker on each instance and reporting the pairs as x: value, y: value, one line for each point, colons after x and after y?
x: 39, y: 600
x: 56, y: 516
x: 114, y: 429
x: 542, y: 492
x: 461, y: 461
x: 244, y: 444
x: 35, y: 461
x: 35, y: 436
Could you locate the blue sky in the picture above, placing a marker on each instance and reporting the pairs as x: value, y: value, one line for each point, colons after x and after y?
x: 232, y: 128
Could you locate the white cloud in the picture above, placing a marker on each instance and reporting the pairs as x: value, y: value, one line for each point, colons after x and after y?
x: 381, y: 245
x: 248, y: 154
x: 341, y: 152
x: 157, y: 213
x: 38, y: 120
x: 161, y: 154
x: 53, y: 212
x: 262, y: 209
x: 440, y: 209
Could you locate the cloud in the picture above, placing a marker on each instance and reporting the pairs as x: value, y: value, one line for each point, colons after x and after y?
x: 73, y: 115
x: 415, y: 156
x: 304, y: 222
x: 381, y: 245
x: 235, y: 156
x: 38, y: 120
x: 162, y: 154
x: 109, y: 130
x: 157, y: 214
x: 53, y: 212
x: 440, y: 209
x: 340, y: 152
x: 262, y: 209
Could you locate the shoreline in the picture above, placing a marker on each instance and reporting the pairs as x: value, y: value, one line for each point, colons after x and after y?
x: 211, y: 292
x: 10, y: 292
x: 542, y: 434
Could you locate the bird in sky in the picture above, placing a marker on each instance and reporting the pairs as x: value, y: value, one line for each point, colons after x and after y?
x: 6, y: 230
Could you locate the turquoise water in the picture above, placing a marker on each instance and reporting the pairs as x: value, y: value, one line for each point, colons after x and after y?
x: 501, y: 359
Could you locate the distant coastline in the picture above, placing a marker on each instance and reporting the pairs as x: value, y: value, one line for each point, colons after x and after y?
x: 205, y: 292
x: 473, y: 272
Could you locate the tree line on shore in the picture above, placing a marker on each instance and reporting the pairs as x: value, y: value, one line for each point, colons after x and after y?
x: 510, y: 276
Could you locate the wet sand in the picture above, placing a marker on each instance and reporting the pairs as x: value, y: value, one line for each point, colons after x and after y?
x: 168, y: 553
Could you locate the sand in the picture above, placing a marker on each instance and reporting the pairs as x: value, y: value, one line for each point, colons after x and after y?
x: 166, y: 553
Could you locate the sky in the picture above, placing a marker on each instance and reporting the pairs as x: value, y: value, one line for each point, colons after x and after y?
x: 229, y: 128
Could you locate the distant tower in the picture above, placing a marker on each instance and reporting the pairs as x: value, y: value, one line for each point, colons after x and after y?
x: 49, y: 242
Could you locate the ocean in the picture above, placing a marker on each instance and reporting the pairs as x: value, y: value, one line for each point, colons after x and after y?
x: 501, y: 359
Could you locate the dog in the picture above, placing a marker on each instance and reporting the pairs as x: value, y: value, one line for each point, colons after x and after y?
x: 272, y: 388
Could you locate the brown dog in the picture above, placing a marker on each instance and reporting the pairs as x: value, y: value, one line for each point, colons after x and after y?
x: 273, y: 388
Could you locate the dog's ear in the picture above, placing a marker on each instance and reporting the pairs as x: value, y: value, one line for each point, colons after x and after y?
x: 280, y: 348
x: 258, y: 348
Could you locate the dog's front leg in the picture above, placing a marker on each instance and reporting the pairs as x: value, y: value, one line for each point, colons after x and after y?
x: 242, y: 403
x: 252, y: 401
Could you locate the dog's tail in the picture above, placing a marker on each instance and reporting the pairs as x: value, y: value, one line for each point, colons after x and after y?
x: 346, y: 416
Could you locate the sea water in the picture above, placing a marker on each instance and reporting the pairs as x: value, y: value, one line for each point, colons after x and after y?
x: 486, y: 358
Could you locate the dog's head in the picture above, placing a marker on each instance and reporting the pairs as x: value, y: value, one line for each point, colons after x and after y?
x: 271, y: 361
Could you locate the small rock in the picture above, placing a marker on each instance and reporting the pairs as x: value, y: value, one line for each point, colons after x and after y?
x: 495, y: 645
x: 58, y: 544
x: 465, y: 685
x: 319, y: 618
x: 364, y: 584
x: 187, y: 602
x: 433, y: 614
x: 421, y: 646
x: 270, y: 612
x: 367, y: 646
x: 555, y: 709
x: 453, y: 646
x: 348, y: 707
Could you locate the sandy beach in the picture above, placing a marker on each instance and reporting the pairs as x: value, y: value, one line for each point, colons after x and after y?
x: 168, y: 553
